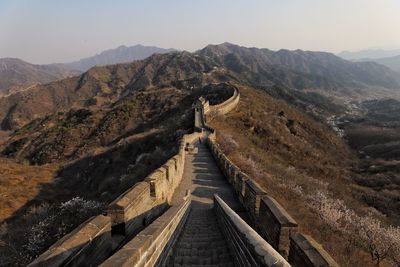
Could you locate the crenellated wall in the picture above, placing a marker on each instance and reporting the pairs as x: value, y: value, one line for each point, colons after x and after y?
x: 249, y: 248
x: 140, y: 226
x: 305, y: 251
x: 152, y: 245
x: 267, y: 216
x: 79, y: 246
x: 226, y: 106
x: 126, y: 216
x: 281, y: 224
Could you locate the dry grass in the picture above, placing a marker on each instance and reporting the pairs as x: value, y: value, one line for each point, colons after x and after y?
x: 20, y: 183
x: 286, y: 152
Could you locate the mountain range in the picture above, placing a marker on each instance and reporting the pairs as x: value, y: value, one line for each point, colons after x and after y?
x: 369, y: 53
x: 121, y: 54
x: 281, y: 73
x: 388, y: 58
x: 16, y: 74
x: 390, y: 62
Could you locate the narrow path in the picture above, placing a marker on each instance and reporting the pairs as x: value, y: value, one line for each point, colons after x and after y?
x: 201, y: 241
x: 202, y: 176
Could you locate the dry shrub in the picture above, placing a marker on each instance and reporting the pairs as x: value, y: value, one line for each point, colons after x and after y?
x: 46, y: 224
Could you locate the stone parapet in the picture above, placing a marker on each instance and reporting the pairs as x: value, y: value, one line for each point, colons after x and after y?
x: 276, y: 225
x: 89, y: 242
x: 132, y: 211
x: 306, y: 252
x: 152, y: 246
x: 269, y: 218
x: 226, y: 106
x: 252, y: 198
x: 249, y: 248
x: 126, y: 216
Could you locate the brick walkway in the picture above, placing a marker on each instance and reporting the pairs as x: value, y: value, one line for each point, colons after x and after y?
x: 201, y: 242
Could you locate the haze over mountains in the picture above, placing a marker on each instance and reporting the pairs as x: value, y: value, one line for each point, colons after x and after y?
x: 390, y: 62
x: 369, y: 53
x: 17, y: 74
x: 388, y: 58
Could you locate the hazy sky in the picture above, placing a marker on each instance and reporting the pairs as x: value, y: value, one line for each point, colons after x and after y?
x: 45, y: 31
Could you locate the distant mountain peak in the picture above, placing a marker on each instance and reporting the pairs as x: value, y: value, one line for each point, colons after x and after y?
x: 368, y: 54
x: 16, y: 74
x: 121, y: 54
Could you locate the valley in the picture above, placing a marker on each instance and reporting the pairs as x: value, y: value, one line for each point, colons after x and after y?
x: 373, y: 132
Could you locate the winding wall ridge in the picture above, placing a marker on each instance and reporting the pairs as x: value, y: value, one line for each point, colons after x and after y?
x: 97, y: 238
x: 268, y: 217
x: 142, y: 226
x: 226, y: 106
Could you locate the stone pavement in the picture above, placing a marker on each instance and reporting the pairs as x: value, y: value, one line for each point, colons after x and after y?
x: 201, y: 242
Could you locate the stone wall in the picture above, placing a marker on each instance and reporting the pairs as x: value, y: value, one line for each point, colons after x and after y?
x: 90, y: 242
x: 248, y: 247
x: 276, y: 225
x: 126, y: 216
x: 266, y: 215
x: 202, y: 107
x: 226, y: 106
x: 305, y: 251
x: 143, y: 223
x: 152, y: 246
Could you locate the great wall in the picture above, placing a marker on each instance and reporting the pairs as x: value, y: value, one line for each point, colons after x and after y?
x: 198, y: 209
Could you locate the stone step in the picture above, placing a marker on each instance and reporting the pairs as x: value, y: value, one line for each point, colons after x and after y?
x: 201, y: 242
x: 216, y: 260
x: 222, y: 252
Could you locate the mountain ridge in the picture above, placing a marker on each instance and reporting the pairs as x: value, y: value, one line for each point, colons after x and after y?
x: 121, y: 54
x: 16, y: 73
x: 369, y: 53
x: 324, y: 69
x: 390, y: 62
x: 277, y: 72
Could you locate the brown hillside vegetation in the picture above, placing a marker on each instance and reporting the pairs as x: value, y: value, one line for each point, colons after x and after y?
x: 297, y: 161
x: 19, y: 183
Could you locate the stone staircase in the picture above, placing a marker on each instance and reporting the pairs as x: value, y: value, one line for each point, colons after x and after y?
x: 201, y: 242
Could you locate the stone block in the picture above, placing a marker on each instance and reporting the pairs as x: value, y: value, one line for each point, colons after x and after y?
x: 250, y: 248
x: 80, y: 244
x: 126, y: 210
x: 239, y: 186
x: 252, y: 198
x: 306, y: 252
x: 276, y: 225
